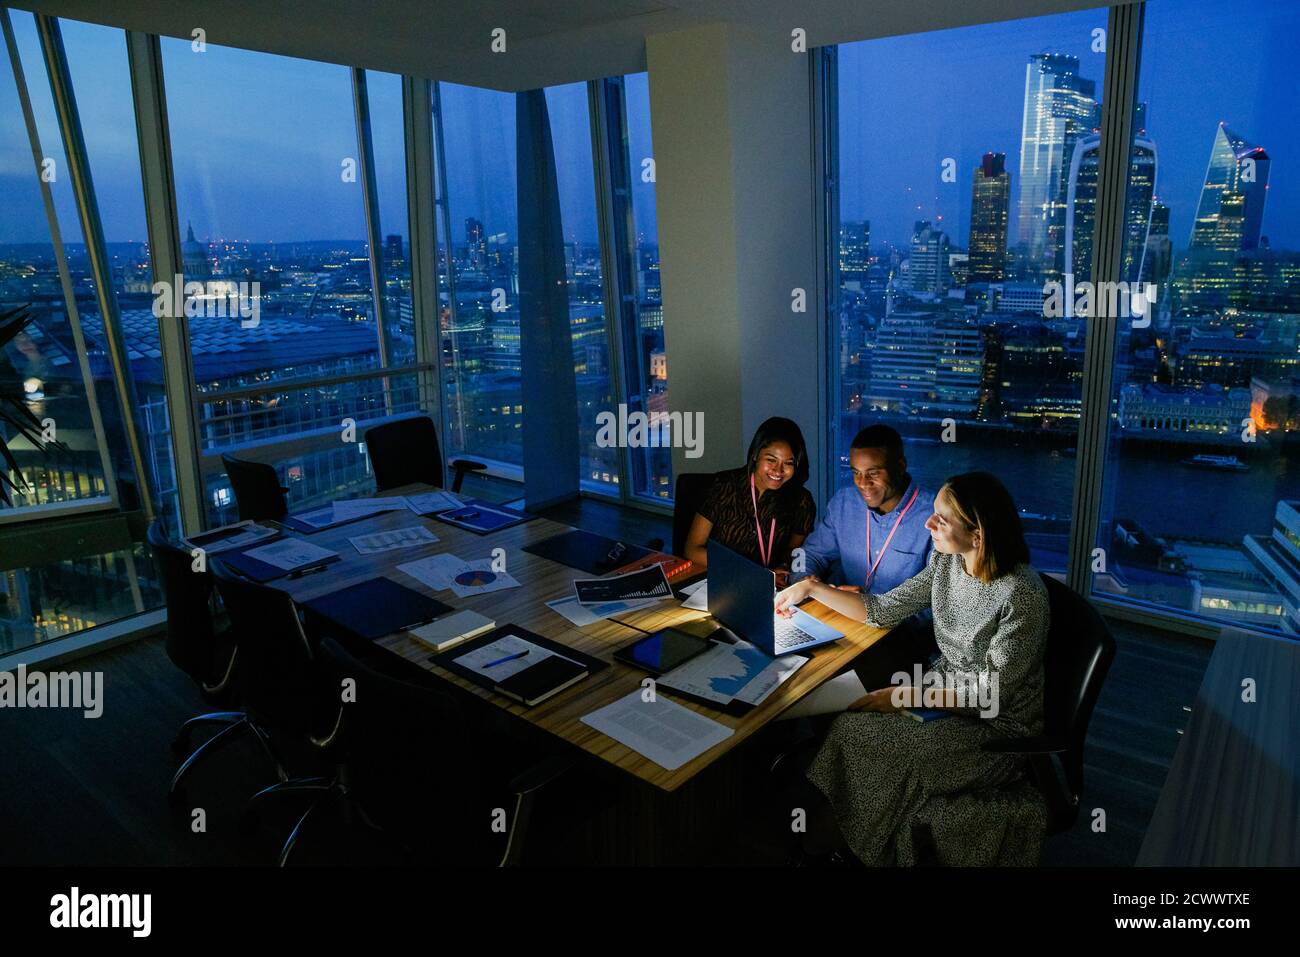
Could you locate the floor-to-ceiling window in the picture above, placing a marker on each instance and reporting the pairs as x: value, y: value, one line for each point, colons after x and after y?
x: 963, y: 177
x: 280, y: 221
x: 1200, y: 513
x: 651, y: 467
x: 570, y: 114
x: 70, y: 560
x: 479, y: 313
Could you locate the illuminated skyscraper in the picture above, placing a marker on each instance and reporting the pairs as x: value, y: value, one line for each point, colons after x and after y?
x: 927, y: 263
x: 1081, y: 206
x: 990, y: 195
x: 1059, y: 108
x: 1231, y: 210
x: 475, y: 241
x: 1227, y: 224
x: 1159, y: 254
x: 855, y: 250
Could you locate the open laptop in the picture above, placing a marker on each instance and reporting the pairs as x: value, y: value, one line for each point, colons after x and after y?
x: 740, y: 596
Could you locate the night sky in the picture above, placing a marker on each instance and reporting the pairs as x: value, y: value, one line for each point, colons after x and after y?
x: 258, y: 140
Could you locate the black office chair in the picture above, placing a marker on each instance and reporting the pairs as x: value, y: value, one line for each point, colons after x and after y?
x: 278, y: 665
x: 194, y: 642
x: 258, y: 491
x: 407, y: 756
x: 407, y: 451
x: 197, y: 647
x: 691, y: 490
x: 1079, y: 652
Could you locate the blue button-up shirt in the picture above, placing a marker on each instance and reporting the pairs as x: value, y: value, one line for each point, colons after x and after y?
x: 836, y: 551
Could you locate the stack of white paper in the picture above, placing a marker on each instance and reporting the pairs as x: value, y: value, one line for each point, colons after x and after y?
x: 409, y: 537
x: 661, y: 730
x: 581, y: 614
x: 290, y: 553
x: 349, y: 509
x: 428, y: 502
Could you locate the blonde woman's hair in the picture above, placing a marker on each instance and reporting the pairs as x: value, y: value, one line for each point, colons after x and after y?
x: 982, y: 504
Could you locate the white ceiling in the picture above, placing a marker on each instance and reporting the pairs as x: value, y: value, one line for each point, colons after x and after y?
x: 547, y: 41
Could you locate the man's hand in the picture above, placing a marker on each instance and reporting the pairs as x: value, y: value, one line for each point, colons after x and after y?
x: 853, y: 588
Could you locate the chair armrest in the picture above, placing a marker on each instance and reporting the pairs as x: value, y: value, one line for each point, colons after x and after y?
x: 1038, y: 745
x: 540, y: 775
x: 463, y: 467
x: 468, y: 465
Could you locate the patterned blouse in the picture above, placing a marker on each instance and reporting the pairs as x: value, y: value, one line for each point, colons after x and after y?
x: 999, y: 627
x: 730, y: 507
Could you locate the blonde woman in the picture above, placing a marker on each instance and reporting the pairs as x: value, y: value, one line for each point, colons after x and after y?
x: 877, y: 766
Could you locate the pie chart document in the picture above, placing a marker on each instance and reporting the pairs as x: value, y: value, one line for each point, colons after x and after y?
x: 465, y: 579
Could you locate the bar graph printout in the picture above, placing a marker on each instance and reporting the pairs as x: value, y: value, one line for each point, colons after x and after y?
x: 634, y: 586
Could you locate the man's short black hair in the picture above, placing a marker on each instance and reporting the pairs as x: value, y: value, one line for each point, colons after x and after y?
x: 880, y: 437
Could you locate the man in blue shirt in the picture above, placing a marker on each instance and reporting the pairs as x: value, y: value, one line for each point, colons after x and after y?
x: 887, y: 506
x: 872, y: 536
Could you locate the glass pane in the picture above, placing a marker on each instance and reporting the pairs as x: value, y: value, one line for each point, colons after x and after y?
x: 388, y: 140
x: 41, y: 364
x: 316, y: 468
x: 571, y: 138
x: 481, y: 366
x: 1199, y: 515
x: 55, y: 584
x: 652, y: 467
x: 101, y: 79
x: 959, y: 201
x: 277, y: 220
x: 284, y: 224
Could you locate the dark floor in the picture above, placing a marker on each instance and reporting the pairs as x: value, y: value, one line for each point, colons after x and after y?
x: 92, y: 792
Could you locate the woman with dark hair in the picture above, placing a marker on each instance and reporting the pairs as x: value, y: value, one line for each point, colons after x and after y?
x: 762, y: 509
x: 878, y: 767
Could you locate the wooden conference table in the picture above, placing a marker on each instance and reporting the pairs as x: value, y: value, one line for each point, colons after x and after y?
x: 542, y: 580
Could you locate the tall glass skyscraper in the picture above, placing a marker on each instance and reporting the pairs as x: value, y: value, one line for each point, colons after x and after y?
x: 1159, y: 251
x: 927, y: 262
x: 1060, y: 107
x: 990, y: 195
x: 1081, y: 206
x: 1231, y: 209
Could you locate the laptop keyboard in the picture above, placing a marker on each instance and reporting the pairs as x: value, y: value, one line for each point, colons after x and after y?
x: 789, y: 635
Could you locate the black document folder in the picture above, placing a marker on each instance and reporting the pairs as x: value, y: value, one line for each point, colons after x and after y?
x: 593, y: 554
x: 447, y: 659
x: 375, y: 608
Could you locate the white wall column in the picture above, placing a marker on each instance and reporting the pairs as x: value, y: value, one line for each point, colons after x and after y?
x: 732, y: 122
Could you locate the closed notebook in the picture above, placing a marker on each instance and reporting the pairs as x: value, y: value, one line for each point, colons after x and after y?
x: 538, y: 682
x: 451, y: 629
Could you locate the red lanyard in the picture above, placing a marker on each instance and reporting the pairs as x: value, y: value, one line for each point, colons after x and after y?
x: 764, y: 553
x: 884, y: 548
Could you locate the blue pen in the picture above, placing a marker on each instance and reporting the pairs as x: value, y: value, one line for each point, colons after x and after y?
x: 493, y: 664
